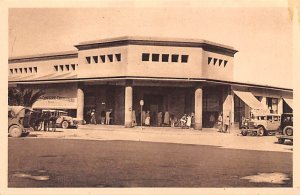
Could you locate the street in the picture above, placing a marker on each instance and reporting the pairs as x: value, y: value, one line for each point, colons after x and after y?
x: 35, y: 162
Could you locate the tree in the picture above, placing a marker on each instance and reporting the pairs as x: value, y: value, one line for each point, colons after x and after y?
x: 23, y: 97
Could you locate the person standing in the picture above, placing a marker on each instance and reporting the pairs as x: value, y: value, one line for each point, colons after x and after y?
x: 93, y: 117
x: 143, y: 117
x: 147, y: 118
x: 107, y: 117
x: 167, y: 118
x: 220, y: 122
x: 226, y: 124
x: 159, y: 119
x: 188, y: 121
x: 134, y: 122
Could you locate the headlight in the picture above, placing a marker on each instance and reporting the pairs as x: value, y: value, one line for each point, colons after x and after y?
x: 255, y: 124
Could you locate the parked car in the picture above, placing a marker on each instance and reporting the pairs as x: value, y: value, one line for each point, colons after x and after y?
x: 63, y: 120
x: 19, y: 121
x: 262, y: 124
x: 286, y: 125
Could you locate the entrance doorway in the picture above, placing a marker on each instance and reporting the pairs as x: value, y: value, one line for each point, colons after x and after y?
x: 154, y: 103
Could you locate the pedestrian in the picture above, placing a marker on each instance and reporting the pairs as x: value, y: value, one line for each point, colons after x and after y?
x: 226, y: 124
x: 143, y: 117
x: 167, y: 118
x: 220, y: 122
x: 147, y: 118
x: 107, y: 117
x: 134, y: 122
x: 172, y: 120
x: 103, y: 113
x: 183, y: 121
x: 93, y: 117
x: 159, y: 119
x: 188, y: 121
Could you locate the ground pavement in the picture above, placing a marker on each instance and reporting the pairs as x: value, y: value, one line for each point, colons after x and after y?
x: 206, y: 136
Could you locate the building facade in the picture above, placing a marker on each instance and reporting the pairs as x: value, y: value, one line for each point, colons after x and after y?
x: 175, y: 76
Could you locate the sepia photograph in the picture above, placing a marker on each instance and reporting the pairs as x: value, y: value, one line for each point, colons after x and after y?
x: 173, y: 96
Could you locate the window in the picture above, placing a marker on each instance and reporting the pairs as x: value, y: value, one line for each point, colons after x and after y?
x: 165, y: 57
x: 225, y: 63
x: 102, y: 58
x: 35, y: 69
x: 11, y: 71
x: 56, y: 67
x: 118, y: 56
x: 67, y: 67
x: 209, y: 60
x: 20, y: 69
x: 220, y: 62
x: 95, y: 58
x: 184, y: 58
x: 73, y: 66
x: 88, y: 60
x: 145, y: 56
x: 61, y: 67
x: 215, y: 61
x: 110, y: 57
x: 175, y: 58
x: 30, y: 69
x: 16, y: 70
x: 155, y: 57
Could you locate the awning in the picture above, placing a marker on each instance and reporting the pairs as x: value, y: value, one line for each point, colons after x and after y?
x: 249, y: 99
x: 289, y: 102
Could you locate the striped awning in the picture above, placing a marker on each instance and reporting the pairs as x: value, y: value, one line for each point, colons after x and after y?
x: 249, y: 99
x: 289, y: 102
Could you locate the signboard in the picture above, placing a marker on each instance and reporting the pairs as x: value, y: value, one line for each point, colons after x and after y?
x: 55, y: 102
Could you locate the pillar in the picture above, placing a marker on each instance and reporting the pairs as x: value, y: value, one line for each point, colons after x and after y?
x: 128, y: 104
x: 280, y: 105
x: 228, y: 104
x: 80, y: 104
x: 198, y: 108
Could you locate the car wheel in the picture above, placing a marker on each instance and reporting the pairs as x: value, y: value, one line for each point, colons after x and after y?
x: 15, y: 131
x: 244, y: 132
x: 280, y: 141
x: 65, y: 124
x: 261, y: 131
x: 288, y: 130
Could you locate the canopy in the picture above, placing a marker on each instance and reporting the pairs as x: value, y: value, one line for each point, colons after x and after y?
x: 249, y: 99
x: 289, y: 102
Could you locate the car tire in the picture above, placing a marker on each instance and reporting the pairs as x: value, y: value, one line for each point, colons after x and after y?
x: 15, y: 131
x: 244, y: 132
x: 65, y: 124
x: 280, y: 140
x: 261, y: 131
x: 288, y: 130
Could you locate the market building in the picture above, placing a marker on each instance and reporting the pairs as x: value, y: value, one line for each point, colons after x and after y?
x: 174, y: 76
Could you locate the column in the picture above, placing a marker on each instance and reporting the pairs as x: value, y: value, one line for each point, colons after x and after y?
x: 80, y: 103
x: 128, y: 104
x: 198, y: 108
x: 280, y: 105
x: 228, y: 104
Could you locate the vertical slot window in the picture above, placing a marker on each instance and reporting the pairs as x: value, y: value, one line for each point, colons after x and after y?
x: 102, y: 58
x: 110, y: 57
x: 20, y: 70
x: 11, y: 71
x: 95, y: 58
x: 16, y: 70
x: 220, y: 62
x: 225, y: 63
x: 67, y: 67
x: 145, y: 57
x: 184, y: 58
x: 155, y: 57
x: 215, y: 61
x: 118, y: 57
x: 209, y: 60
x: 175, y: 57
x: 73, y: 66
x: 61, y: 67
x: 165, y: 57
x: 30, y: 69
x: 35, y: 69
x: 25, y: 69
x: 56, y: 68
x: 88, y: 60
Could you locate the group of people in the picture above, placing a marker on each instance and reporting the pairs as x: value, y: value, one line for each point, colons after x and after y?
x: 223, y: 125
x: 106, y: 117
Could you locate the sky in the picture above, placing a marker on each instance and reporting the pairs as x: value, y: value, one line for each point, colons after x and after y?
x: 262, y: 35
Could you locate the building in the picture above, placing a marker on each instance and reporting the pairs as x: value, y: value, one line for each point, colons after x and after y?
x: 171, y: 75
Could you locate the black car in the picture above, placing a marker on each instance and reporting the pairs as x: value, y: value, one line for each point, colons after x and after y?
x: 286, y: 125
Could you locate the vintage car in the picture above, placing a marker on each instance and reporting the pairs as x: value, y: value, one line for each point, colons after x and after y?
x: 19, y: 121
x: 286, y: 125
x: 262, y: 124
x: 63, y: 120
